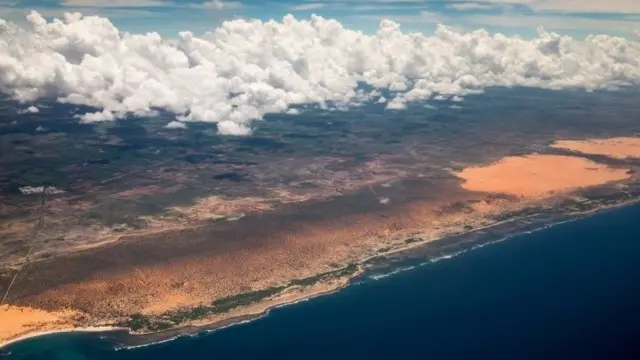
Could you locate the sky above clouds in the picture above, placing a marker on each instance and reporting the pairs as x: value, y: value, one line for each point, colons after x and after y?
x: 229, y: 64
x: 168, y: 17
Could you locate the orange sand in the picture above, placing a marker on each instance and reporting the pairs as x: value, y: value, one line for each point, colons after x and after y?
x: 619, y: 148
x: 172, y: 300
x: 16, y: 321
x: 538, y: 175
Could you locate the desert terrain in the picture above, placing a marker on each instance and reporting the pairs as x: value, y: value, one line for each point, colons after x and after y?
x: 234, y: 261
x: 218, y: 228
x: 619, y: 148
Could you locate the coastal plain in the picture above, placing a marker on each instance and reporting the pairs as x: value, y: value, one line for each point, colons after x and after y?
x: 152, y: 229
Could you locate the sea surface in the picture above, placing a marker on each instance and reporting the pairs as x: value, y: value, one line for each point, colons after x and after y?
x: 570, y: 291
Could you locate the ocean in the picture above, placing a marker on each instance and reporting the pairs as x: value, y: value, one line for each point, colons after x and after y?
x: 570, y: 291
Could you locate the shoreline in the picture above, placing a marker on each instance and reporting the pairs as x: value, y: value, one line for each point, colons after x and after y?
x: 134, y: 340
x: 137, y: 340
x: 415, y: 253
x: 368, y: 266
x: 90, y: 329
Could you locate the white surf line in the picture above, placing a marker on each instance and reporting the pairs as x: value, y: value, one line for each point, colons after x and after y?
x: 62, y: 331
x: 572, y: 218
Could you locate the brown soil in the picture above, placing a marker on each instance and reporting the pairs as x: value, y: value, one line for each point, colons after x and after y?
x: 214, y: 207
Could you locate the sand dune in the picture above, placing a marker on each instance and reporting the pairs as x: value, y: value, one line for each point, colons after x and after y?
x: 619, y: 148
x: 17, y: 320
x: 538, y: 175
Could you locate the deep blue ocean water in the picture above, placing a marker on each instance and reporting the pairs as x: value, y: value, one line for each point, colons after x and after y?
x: 571, y: 291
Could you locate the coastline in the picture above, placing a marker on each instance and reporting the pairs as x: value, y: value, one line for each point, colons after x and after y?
x: 410, y: 256
x: 132, y: 340
x: 90, y: 329
x: 403, y: 258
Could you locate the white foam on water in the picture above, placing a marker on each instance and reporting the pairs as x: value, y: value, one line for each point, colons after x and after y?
x: 472, y: 248
x: 372, y: 277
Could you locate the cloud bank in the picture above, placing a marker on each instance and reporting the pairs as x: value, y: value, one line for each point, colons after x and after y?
x: 247, y: 68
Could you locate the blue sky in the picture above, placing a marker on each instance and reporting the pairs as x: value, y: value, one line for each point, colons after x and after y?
x: 573, y: 17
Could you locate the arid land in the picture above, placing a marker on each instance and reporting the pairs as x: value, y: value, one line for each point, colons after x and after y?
x: 158, y: 244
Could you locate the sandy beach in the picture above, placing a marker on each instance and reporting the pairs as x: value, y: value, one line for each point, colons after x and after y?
x: 51, y: 332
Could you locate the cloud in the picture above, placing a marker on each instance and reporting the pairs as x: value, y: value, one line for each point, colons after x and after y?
x: 310, y: 6
x: 555, y: 22
x: 383, y: 7
x: 587, y: 6
x: 391, y: 1
x: 248, y: 68
x: 113, y: 3
x: 398, y: 103
x: 217, y: 5
x: 18, y: 14
x: 29, y: 190
x: 176, y: 125
x: 212, y: 4
x: 467, y: 6
x: 30, y: 110
x: 567, y: 6
x: 423, y: 17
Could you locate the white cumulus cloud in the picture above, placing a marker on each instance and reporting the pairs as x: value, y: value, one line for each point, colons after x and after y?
x: 247, y: 68
x: 176, y: 125
x: 30, y: 110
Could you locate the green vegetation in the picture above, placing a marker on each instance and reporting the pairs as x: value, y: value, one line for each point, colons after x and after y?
x: 349, y: 270
x: 384, y: 250
x: 230, y: 302
x: 412, y: 240
x: 507, y: 215
x: 590, y: 200
x: 170, y: 319
x: 137, y: 322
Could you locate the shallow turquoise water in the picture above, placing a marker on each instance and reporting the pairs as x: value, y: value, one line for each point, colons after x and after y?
x: 570, y: 291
